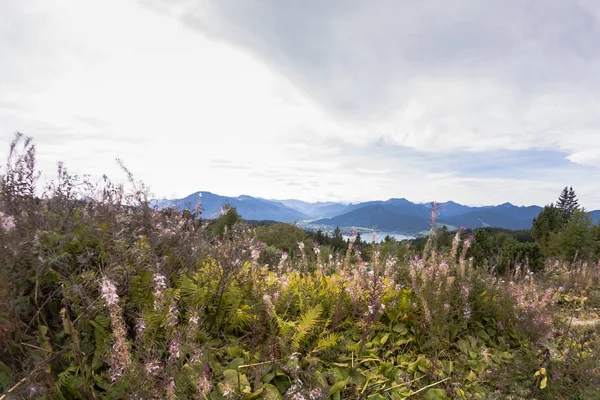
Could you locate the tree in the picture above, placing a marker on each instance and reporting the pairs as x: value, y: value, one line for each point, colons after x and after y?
x: 226, y: 221
x: 338, y: 239
x: 576, y: 241
x: 548, y: 223
x: 358, y: 239
x: 567, y: 203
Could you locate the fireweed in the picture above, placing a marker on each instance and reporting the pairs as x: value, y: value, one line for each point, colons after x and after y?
x: 120, y: 358
x: 443, y: 285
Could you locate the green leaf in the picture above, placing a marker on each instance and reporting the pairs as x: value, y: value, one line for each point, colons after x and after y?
x: 5, y: 377
x: 436, y: 394
x: 384, y: 338
x: 400, y: 328
x: 235, y: 363
x: 237, y: 380
x: 483, y: 334
x: 271, y: 393
x: 338, y: 387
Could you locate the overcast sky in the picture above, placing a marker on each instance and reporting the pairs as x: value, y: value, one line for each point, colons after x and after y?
x: 481, y: 102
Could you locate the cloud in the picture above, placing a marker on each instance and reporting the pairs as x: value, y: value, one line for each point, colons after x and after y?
x: 429, y: 75
x: 586, y: 157
x: 479, y: 102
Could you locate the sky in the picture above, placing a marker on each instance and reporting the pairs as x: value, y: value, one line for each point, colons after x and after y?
x: 344, y: 100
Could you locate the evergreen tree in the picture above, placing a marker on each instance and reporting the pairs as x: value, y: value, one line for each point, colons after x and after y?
x: 563, y: 200
x: 573, y: 203
x: 567, y: 203
x: 320, y: 238
x: 358, y: 239
x: 338, y: 241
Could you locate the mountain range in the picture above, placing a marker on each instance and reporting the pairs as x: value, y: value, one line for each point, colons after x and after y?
x: 396, y: 214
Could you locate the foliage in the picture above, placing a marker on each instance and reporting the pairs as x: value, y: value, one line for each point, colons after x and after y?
x: 547, y: 224
x: 107, y: 298
x: 567, y: 203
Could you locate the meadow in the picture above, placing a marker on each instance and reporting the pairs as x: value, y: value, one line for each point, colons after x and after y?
x: 104, y: 297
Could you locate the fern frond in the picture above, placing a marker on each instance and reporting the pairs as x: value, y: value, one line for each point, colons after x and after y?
x: 305, y: 325
x: 328, y: 340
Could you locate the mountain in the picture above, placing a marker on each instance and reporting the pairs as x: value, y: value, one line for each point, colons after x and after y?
x: 378, y: 216
x: 317, y: 210
x: 248, y: 207
x: 490, y: 217
x: 451, y: 209
x: 404, y: 216
x: 396, y: 214
x: 595, y: 216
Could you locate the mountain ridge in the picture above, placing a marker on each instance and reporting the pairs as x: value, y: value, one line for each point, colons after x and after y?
x: 394, y: 214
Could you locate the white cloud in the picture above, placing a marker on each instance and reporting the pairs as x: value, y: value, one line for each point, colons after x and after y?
x: 586, y: 157
x: 283, y: 101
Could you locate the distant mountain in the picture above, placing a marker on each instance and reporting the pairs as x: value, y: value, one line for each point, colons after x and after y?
x: 404, y: 216
x: 248, y: 207
x: 378, y: 216
x: 317, y: 210
x: 451, y: 209
x: 595, y: 216
x: 489, y: 217
x: 396, y: 214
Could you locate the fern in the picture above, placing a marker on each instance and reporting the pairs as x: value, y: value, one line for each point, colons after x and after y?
x: 328, y: 340
x: 305, y: 325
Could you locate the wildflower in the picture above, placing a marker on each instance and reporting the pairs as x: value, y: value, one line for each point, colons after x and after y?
x: 353, y: 234
x: 484, y: 353
x: 172, y: 316
x: 316, y: 394
x: 434, y: 215
x: 316, y: 249
x: 153, y: 368
x: 269, y: 304
x: 109, y: 292
x: 171, y: 388
x: 140, y: 328
x: 203, y: 386
x: 174, y: 349
x: 294, y: 391
x: 120, y: 358
x: 7, y: 222
x: 160, y: 284
x: 227, y: 389
x: 390, y: 262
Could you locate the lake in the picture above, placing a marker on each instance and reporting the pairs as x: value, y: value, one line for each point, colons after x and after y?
x: 367, y: 236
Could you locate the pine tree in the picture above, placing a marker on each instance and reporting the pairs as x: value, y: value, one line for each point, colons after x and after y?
x: 567, y: 203
x: 573, y: 202
x: 563, y: 200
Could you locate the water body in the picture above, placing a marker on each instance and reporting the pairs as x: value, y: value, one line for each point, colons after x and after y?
x: 366, y: 236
